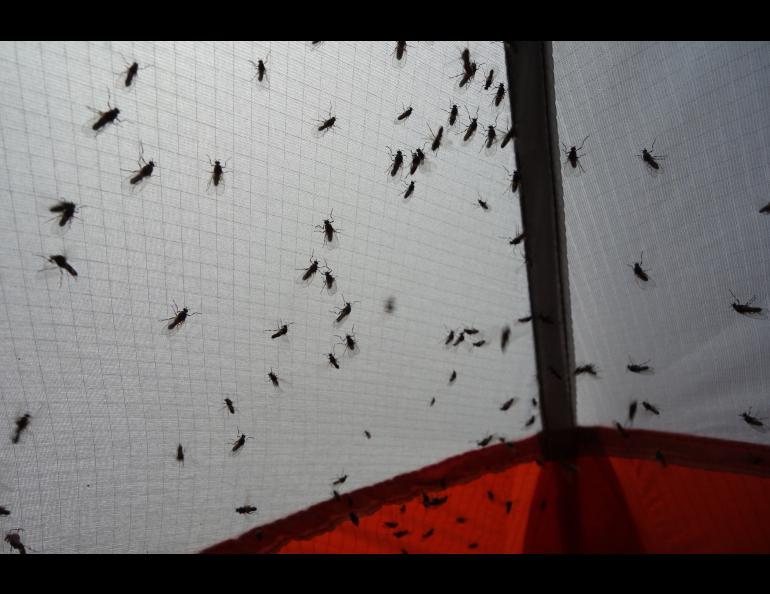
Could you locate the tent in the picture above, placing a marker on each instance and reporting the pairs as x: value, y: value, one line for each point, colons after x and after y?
x: 533, y: 349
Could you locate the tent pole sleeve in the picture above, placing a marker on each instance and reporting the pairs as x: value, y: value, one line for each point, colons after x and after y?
x: 531, y: 93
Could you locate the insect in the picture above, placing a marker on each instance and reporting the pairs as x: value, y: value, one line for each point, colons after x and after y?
x: 261, y: 70
x: 353, y: 518
x: 483, y: 204
x: 333, y: 361
x: 650, y: 407
x: 401, y: 533
x: 491, y: 137
x: 310, y: 270
x: 229, y: 405
x: 180, y: 453
x: 368, y: 435
x: 638, y: 270
x: 459, y: 339
x: 622, y: 431
x: 217, y: 174
x: 144, y: 171
x: 61, y: 262
x: 180, y: 316
x: 460, y: 520
x: 239, y: 443
x: 418, y: 157
x: 280, y: 331
x: 572, y: 154
x: 745, y: 308
x: 499, y: 94
x: 530, y: 421
x: 427, y: 534
x: 631, y: 411
x: 409, y: 190
x: 398, y: 160
x: 327, y: 229
x: 508, y: 506
x: 433, y: 501
x: 349, y: 341
x: 637, y: 368
x: 507, y: 404
x: 649, y: 158
x: 471, y: 330
x: 765, y: 209
x: 405, y: 114
x: 480, y: 343
x: 465, y: 57
x: 273, y: 377
x: 4, y: 511
x: 13, y: 539
x: 340, y: 480
x: 484, y: 442
x: 471, y: 129
x: 751, y: 419
x: 391, y: 525
x: 490, y: 79
x: 515, y: 180
x: 67, y: 211
x: 344, y: 311
x: 22, y: 423
x: 131, y: 72
x: 336, y: 495
x: 453, y: 377
x: 490, y: 495
x: 432, y: 401
x: 105, y: 117
x: 453, y: 111
x: 400, y: 49
x: 505, y: 337
x: 246, y: 509
x: 508, y: 136
x: 329, y: 279
x: 586, y: 369
x: 390, y: 305
x: 436, y: 138
x: 524, y: 320
x: 450, y: 337
x: 660, y: 457
x: 468, y: 74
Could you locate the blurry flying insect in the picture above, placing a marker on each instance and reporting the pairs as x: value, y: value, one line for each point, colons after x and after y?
x: 310, y: 270
x: 479, y: 343
x: 13, y: 539
x: 524, y: 320
x: 586, y: 369
x: 179, y: 317
x: 353, y: 518
x: 66, y: 211
x: 507, y: 404
x: 572, y: 154
x: 637, y: 368
x: 261, y: 70
x: 631, y: 411
x: 4, y: 511
x: 745, y: 308
x: 490, y: 495
x: 327, y: 229
x: 436, y: 138
x: 329, y: 279
x: 432, y: 401
x: 649, y: 158
x: 217, y: 174
x: 349, y: 341
x: 508, y: 136
x: 22, y: 423
x: 490, y: 79
x: 390, y: 305
x: 460, y: 520
x: 650, y: 407
x: 640, y: 273
x: 622, y: 431
x: 273, y: 378
x: 329, y: 122
x: 281, y: 330
x: 367, y: 434
x: 751, y: 419
x: 484, y: 442
x: 61, y: 262
x: 765, y: 209
x: 530, y: 421
x: 340, y: 480
x: 401, y: 533
x: 499, y: 94
x: 344, y: 311
x: 470, y: 130
x: 333, y: 360
x: 505, y: 337
x: 105, y: 117
x: 660, y: 458
x: 427, y: 534
x: 473, y: 545
x: 453, y: 377
x: 409, y: 190
x: 239, y: 443
x: 180, y: 454
x: 405, y: 114
x: 229, y: 405
x: 398, y: 160
x: 145, y: 168
x: 246, y: 509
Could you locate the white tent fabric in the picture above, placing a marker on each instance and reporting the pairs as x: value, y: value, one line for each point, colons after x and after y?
x: 707, y: 108
x: 111, y: 393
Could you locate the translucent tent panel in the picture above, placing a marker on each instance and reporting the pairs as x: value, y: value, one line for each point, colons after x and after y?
x: 706, y: 106
x: 112, y: 393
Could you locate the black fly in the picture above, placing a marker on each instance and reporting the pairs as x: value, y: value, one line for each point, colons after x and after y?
x: 765, y: 209
x: 368, y: 435
x: 453, y: 115
x: 398, y: 160
x: 327, y: 229
x: 649, y: 158
x: 131, y: 72
x: 280, y: 331
x: 572, y: 154
x: 329, y: 279
x: 480, y: 343
x: 400, y: 49
x: 530, y: 421
x: 650, y: 407
x: 660, y: 458
x: 405, y: 114
x: 349, y: 341
x: 436, y: 142
x: 340, y: 480
x: 507, y: 404
x: 491, y: 136
x: 273, y: 378
x: 179, y: 317
x: 490, y: 79
x: 459, y: 339
x: 483, y: 204
x: 586, y: 369
x: 484, y: 442
x: 637, y: 368
x: 515, y: 180
x: 328, y: 123
x: 638, y: 270
x: 751, y: 419
x: 333, y: 361
x: 145, y: 170
x: 450, y: 337
x: 631, y: 411
x: 390, y: 305
x: 409, y: 190
x: 453, y: 377
x: 105, y: 117
x: 229, y: 405
x: 62, y: 263
x: 4, y: 511
x: 217, y: 173
x: 180, y: 453
x: 310, y: 270
x: 13, y: 539
x: 353, y: 518
x: 238, y: 443
x: 468, y: 74
x: 745, y: 308
x: 344, y: 311
x: 261, y: 70
x: 505, y: 337
x: 471, y: 129
x: 246, y: 509
x: 67, y: 211
x: 499, y: 94
x: 22, y: 423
